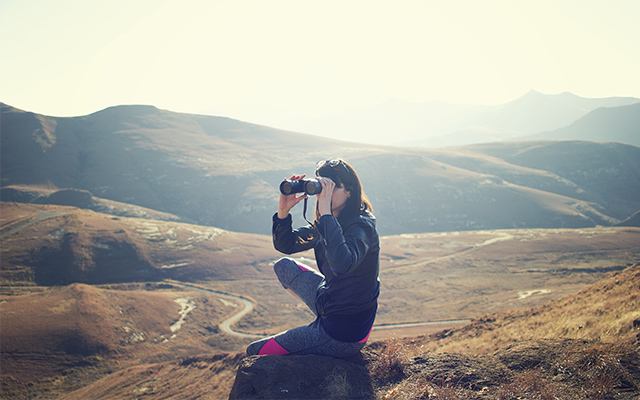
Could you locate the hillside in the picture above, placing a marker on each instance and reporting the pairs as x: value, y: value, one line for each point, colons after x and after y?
x: 206, y: 377
x: 607, y: 124
x: 470, y: 270
x: 63, y: 338
x: 224, y: 173
x: 425, y: 278
x: 594, y: 173
x: 515, y: 355
x: 608, y: 310
x: 633, y: 220
x: 59, y: 245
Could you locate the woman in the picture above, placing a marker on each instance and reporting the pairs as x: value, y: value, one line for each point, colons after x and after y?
x: 344, y: 293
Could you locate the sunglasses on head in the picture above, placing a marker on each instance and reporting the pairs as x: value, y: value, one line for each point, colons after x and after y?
x: 331, y: 164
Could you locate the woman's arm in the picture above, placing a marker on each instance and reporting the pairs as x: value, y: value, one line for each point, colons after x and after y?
x: 285, y: 238
x: 289, y: 241
x: 345, y: 251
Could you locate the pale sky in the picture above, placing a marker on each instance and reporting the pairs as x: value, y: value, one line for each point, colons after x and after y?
x: 264, y: 60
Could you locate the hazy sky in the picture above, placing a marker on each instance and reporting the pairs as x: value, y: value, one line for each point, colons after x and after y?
x: 261, y: 59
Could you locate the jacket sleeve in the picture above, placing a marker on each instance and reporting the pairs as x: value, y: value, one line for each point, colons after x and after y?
x: 287, y: 240
x: 345, y: 251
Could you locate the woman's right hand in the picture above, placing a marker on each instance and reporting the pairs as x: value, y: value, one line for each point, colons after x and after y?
x: 287, y: 202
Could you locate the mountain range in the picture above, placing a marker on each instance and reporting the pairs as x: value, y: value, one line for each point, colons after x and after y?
x: 222, y: 172
x: 438, y: 124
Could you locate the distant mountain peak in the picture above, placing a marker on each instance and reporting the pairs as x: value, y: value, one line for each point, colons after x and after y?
x: 128, y: 110
x: 533, y: 92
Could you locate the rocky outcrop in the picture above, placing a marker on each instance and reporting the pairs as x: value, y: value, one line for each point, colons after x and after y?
x: 302, y: 377
x: 559, y: 368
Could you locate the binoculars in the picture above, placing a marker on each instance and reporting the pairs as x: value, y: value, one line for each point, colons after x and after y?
x: 308, y: 186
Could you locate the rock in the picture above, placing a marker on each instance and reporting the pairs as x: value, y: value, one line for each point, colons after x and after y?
x: 302, y: 377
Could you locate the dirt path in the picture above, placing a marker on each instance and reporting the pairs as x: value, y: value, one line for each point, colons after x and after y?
x: 33, y: 221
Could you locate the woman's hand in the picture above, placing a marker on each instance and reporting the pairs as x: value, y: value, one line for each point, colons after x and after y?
x: 286, y: 203
x: 324, y: 198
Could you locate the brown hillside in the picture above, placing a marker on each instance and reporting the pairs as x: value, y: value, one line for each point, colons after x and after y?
x: 49, y: 245
x: 62, y: 245
x: 79, y: 320
x: 63, y: 338
x: 608, y: 310
x: 533, y: 365
x: 424, y: 277
x: 80, y: 199
x: 200, y: 377
x: 604, y: 309
x: 45, y: 335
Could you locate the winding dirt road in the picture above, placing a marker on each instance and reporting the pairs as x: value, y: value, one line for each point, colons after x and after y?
x: 226, y: 325
x: 248, y: 305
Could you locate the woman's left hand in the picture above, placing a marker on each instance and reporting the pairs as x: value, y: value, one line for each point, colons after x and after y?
x: 324, y: 198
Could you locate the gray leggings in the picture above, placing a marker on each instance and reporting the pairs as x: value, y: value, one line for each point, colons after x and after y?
x: 311, y: 339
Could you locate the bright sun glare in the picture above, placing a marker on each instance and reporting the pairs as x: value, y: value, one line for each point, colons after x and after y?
x: 263, y: 61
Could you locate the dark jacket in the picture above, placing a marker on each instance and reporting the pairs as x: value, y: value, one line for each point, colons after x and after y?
x: 347, y: 254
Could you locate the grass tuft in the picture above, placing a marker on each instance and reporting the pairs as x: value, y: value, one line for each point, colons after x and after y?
x: 391, y: 364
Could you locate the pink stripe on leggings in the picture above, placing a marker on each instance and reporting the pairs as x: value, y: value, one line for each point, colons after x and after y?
x: 367, y: 337
x: 272, y: 347
x: 303, y: 267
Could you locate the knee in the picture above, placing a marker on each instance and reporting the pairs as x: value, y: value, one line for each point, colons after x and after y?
x: 254, y: 348
x: 284, y: 268
x: 282, y: 264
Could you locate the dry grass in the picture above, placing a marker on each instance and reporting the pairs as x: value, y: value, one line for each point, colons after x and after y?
x: 580, y: 371
x: 337, y: 384
x: 421, y: 388
x: 604, y: 311
x: 593, y: 353
x: 596, y: 371
x: 600, y: 367
x: 531, y: 384
x: 390, y: 366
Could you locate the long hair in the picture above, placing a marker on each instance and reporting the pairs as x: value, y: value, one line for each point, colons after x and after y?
x: 343, y: 174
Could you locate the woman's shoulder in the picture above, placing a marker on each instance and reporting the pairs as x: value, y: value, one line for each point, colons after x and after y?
x: 365, y: 220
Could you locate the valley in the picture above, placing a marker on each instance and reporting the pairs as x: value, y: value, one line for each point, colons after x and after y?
x: 137, y: 258
x: 430, y: 282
